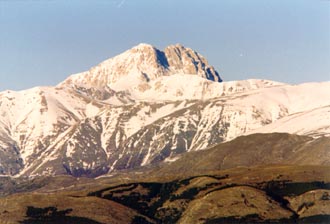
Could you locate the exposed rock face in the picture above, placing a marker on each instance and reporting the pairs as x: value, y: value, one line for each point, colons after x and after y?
x: 144, y: 63
x: 186, y: 61
x: 11, y: 161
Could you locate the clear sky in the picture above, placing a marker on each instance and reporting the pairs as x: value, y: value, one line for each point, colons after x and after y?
x: 42, y: 42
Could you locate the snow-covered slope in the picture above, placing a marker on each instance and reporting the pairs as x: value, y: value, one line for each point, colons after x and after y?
x: 146, y: 106
x: 189, y: 87
x: 128, y: 136
x: 313, y: 122
x: 32, y: 119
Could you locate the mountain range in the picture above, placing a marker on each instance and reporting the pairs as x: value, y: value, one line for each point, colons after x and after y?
x: 145, y: 106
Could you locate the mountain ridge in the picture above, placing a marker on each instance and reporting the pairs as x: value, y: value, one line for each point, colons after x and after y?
x: 93, y: 129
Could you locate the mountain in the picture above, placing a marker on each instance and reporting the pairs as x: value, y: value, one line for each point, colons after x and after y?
x: 145, y: 106
x: 142, y: 64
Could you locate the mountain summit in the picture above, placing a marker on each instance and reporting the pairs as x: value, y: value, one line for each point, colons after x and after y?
x: 144, y: 63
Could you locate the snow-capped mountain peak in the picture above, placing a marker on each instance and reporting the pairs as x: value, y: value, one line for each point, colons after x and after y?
x: 142, y: 64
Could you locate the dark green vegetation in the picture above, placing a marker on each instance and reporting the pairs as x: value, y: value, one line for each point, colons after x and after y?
x: 170, y: 202
x: 51, y: 215
x: 320, y: 219
x: 200, y: 187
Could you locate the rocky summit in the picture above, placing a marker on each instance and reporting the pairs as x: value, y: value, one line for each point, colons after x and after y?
x: 142, y: 64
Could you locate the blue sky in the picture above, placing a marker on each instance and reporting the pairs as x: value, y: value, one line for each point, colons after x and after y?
x: 43, y: 42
